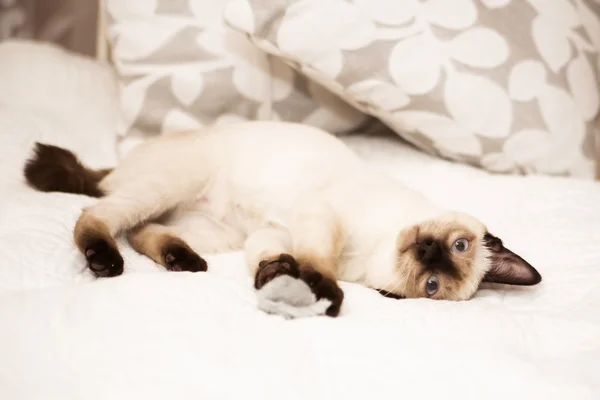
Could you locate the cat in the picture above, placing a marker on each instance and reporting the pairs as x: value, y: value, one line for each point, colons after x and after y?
x: 299, y: 202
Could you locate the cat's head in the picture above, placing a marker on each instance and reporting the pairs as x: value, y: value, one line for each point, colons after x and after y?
x: 448, y: 257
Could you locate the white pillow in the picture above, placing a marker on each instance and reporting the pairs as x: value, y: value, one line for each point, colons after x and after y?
x: 55, y: 97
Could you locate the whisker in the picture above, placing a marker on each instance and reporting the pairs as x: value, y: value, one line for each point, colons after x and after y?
x: 390, y: 293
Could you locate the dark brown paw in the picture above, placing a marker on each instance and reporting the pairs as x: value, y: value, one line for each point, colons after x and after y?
x: 179, y: 257
x: 322, y: 286
x: 103, y: 259
x: 271, y: 269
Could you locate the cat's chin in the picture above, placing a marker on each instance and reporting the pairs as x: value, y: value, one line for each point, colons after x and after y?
x: 290, y: 298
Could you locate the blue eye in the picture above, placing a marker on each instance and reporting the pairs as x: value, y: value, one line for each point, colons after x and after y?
x: 460, y: 246
x: 432, y: 285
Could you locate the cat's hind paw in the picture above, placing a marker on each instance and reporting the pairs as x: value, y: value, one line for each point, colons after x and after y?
x: 178, y: 256
x: 292, y: 291
x: 104, y: 260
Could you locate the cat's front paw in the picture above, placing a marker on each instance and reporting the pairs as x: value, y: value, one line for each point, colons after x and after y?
x: 294, y: 290
x: 323, y: 287
x: 103, y: 260
x: 268, y: 270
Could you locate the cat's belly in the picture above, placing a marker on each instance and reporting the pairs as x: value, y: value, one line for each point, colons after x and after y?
x: 206, y: 233
x: 214, y: 222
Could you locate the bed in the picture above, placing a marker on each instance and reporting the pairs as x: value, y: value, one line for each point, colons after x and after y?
x: 156, y: 335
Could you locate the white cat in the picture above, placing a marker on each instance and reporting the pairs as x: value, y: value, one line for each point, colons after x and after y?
x: 306, y: 210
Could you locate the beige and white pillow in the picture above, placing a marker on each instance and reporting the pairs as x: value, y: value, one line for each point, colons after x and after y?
x: 511, y: 86
x: 181, y: 67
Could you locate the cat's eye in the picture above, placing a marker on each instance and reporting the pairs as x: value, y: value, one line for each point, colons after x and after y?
x: 432, y: 285
x: 460, y: 246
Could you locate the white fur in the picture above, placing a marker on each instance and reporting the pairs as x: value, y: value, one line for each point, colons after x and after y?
x: 261, y: 182
x: 247, y: 175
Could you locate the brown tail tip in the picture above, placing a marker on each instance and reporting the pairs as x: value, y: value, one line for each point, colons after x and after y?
x: 54, y: 169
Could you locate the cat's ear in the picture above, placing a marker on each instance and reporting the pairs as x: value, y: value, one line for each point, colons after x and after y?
x: 507, y: 267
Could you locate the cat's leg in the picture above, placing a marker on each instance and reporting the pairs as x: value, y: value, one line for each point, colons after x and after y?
x: 164, y: 246
x: 265, y: 246
x: 276, y: 275
x: 121, y: 210
x: 311, y: 255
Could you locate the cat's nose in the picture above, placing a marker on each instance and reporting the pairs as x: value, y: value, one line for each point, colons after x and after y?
x: 430, y: 251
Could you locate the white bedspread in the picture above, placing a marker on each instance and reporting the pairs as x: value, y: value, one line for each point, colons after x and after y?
x: 155, y: 335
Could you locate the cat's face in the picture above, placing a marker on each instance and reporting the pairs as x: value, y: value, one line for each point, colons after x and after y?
x: 448, y: 257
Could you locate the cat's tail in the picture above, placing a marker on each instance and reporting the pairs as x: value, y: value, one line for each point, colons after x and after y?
x: 54, y: 169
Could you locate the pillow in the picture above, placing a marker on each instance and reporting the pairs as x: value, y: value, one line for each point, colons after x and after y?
x: 56, y: 97
x: 181, y: 67
x: 511, y: 86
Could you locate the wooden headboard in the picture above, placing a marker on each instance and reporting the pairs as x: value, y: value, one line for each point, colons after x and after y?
x: 101, y: 40
x: 597, y: 142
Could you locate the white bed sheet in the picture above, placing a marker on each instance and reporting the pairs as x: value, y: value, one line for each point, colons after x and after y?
x: 156, y: 335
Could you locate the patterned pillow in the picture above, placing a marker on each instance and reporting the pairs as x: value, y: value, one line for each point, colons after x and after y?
x: 15, y: 19
x: 511, y: 86
x: 181, y: 67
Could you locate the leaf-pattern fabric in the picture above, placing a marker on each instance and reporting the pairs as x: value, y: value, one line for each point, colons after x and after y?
x: 508, y: 85
x: 16, y: 19
x: 181, y: 68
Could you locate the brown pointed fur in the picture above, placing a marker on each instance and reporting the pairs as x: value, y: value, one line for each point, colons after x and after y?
x: 53, y: 169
